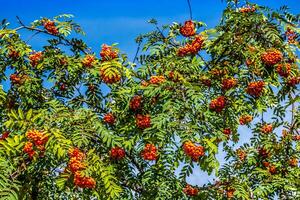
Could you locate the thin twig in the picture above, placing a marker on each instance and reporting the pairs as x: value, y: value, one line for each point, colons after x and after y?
x: 68, y: 42
x: 190, y: 9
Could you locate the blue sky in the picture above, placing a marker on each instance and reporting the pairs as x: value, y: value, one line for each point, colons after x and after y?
x: 120, y: 21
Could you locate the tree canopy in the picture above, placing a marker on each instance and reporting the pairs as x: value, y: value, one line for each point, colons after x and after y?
x: 169, y: 110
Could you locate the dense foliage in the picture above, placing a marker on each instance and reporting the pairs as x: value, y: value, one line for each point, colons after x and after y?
x: 173, y: 108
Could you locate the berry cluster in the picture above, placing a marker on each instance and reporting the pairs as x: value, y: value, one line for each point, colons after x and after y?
x: 263, y: 153
x: 84, y: 181
x: 35, y: 139
x: 271, y: 57
x: 13, y: 54
x: 272, y: 169
x: 117, y: 153
x: 218, y: 72
x: 192, y: 48
x: 15, y: 79
x: 193, y: 151
x: 205, y: 81
x: 28, y: 148
x: 149, y: 152
x: 218, y: 104
x: 76, y: 165
x: 174, y: 76
x: 88, y: 61
x: 109, y: 78
x: 188, y: 29
x: 229, y: 83
x: 284, y: 69
x: 293, y: 81
x: 245, y: 119
x: 247, y: 9
x: 230, y: 192
x: 35, y: 58
x: 143, y: 121
x: 156, y: 80
x: 296, y: 137
x: 267, y: 128
x: 291, y: 36
x: 293, y: 162
x: 255, y: 88
x: 50, y: 27
x: 109, y: 118
x: 4, y: 135
x: 108, y: 53
x: 241, y: 154
x: 135, y: 102
x: 190, y: 191
x: 227, y: 131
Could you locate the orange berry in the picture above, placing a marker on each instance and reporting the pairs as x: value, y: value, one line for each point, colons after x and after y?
x: 188, y: 29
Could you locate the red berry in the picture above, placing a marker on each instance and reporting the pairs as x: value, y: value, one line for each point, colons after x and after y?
x: 188, y: 29
x: 109, y: 118
x: 149, y: 152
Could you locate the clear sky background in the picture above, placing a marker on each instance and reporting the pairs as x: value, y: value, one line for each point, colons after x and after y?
x: 120, y: 21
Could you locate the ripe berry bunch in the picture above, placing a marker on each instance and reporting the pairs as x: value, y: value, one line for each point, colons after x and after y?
x: 143, y: 121
x: 227, y: 131
x: 247, y: 9
x: 218, y: 104
x: 110, y: 78
x: 35, y: 58
x: 149, y: 152
x: 193, y: 48
x: 35, y: 139
x: 293, y: 81
x: 88, y: 61
x: 293, y: 162
x: 76, y: 160
x: 255, y: 88
x: 205, y: 81
x: 28, y: 148
x: 135, y: 102
x: 230, y: 192
x: 218, y: 72
x: 241, y: 154
x: 229, y: 83
x: 296, y: 137
x: 108, y: 53
x: 190, y: 191
x: 271, y: 57
x: 4, y: 135
x: 15, y: 79
x: 117, y: 153
x: 272, y: 169
x: 174, y: 76
x: 267, y: 128
x: 284, y: 69
x: 156, y: 80
x: 263, y: 153
x: 84, y: 181
x: 245, y: 119
x: 291, y: 36
x: 193, y: 151
x: 109, y: 118
x: 50, y: 27
x: 188, y: 29
x: 13, y: 54
x: 76, y: 165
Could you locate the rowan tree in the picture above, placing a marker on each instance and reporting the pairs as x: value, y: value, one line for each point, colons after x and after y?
x: 173, y: 108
